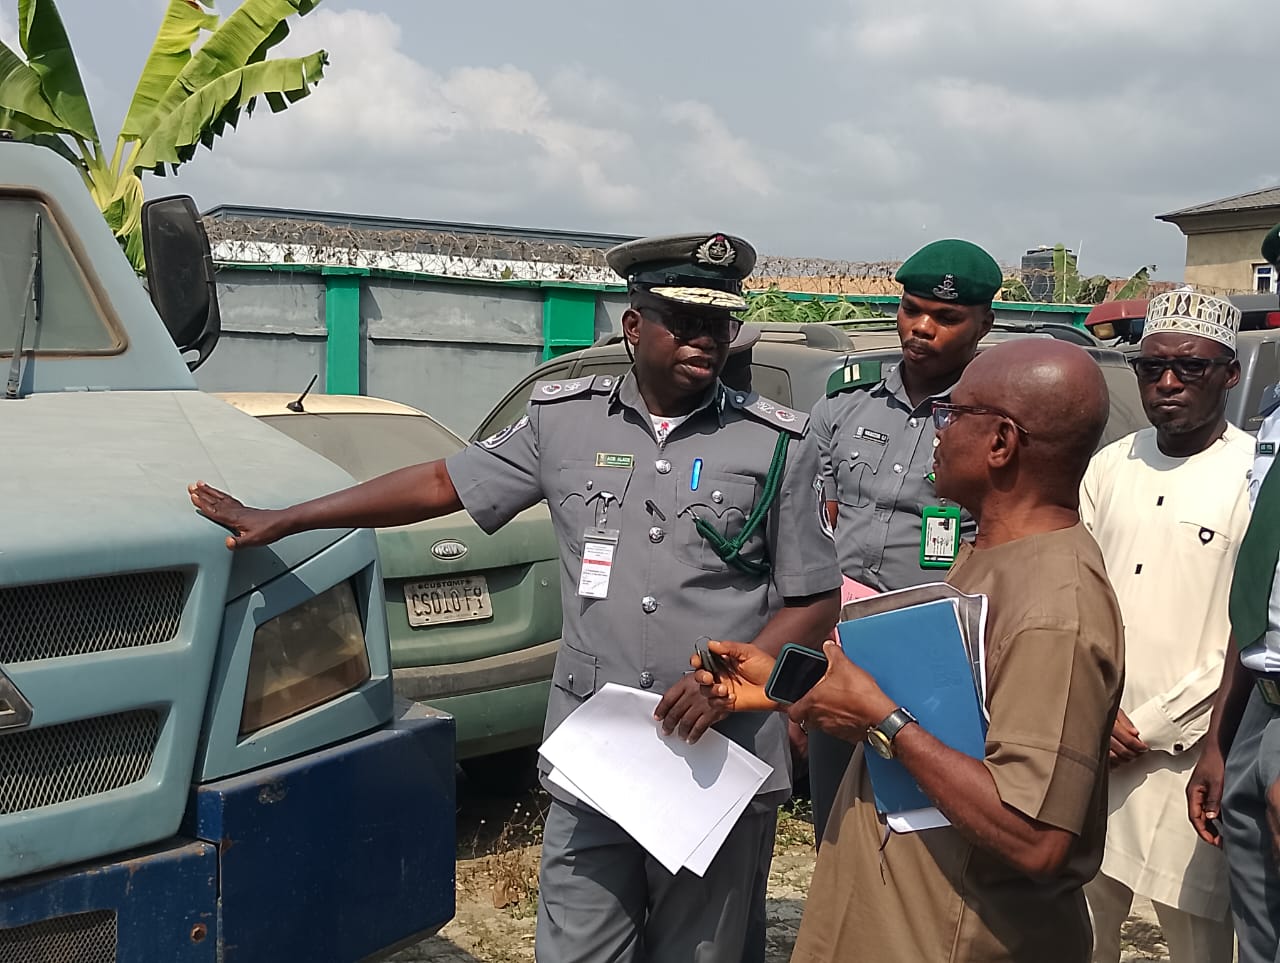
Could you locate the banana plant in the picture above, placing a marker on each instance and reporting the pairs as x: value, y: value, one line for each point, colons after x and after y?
x: 1069, y: 287
x: 188, y: 94
x: 773, y: 304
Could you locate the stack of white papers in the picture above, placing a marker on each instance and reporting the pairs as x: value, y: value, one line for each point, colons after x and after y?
x: 678, y: 801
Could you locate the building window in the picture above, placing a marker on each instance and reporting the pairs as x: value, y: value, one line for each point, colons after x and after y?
x: 1264, y: 278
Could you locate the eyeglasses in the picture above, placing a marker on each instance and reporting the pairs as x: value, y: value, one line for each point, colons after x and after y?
x: 944, y: 414
x: 690, y: 327
x: 1187, y: 370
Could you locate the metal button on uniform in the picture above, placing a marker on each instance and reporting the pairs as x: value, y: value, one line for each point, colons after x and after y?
x: 717, y: 497
x: 739, y: 398
x: 897, y: 469
x: 646, y: 680
x: 590, y: 484
x: 662, y: 465
x: 649, y: 604
x: 1178, y: 747
x: 569, y: 678
x: 914, y: 422
x: 656, y: 534
x: 853, y: 454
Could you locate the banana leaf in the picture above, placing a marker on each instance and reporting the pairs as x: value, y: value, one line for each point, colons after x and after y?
x: 243, y: 39
x: 170, y: 53
x: 210, y: 109
x: 44, y: 40
x: 20, y: 94
x: 1138, y: 285
x: 22, y: 131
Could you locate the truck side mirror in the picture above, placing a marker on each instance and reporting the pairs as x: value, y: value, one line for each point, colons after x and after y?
x: 180, y: 275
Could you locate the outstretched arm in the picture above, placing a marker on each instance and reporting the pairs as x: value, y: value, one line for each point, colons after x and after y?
x: 397, y: 498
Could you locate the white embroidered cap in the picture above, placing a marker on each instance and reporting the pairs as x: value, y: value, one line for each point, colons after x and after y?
x: 1188, y: 312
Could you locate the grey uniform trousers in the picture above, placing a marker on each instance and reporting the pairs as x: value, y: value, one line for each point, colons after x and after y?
x: 603, y: 899
x: 1252, y: 766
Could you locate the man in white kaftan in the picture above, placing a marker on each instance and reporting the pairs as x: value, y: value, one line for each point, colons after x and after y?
x: 1168, y: 506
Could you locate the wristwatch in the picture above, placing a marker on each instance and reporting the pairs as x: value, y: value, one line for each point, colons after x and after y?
x: 880, y: 736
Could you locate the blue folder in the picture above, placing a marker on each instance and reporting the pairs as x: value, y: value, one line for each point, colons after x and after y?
x: 918, y: 658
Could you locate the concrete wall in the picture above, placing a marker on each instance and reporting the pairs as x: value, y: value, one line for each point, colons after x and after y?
x: 452, y: 349
x: 273, y: 333
x: 1224, y: 260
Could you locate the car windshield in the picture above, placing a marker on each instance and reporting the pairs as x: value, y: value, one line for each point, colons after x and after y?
x: 59, y: 308
x: 369, y: 445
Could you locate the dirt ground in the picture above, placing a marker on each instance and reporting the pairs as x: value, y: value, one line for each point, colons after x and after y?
x: 497, y: 887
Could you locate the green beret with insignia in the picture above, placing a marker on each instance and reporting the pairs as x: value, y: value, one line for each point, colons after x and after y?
x: 1271, y: 246
x: 702, y: 270
x: 951, y: 270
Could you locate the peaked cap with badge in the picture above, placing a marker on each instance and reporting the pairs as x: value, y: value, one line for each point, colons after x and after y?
x: 699, y: 270
x: 1186, y: 311
x: 951, y: 270
x: 1271, y: 246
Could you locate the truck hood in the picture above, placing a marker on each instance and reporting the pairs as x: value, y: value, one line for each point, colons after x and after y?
x: 80, y: 469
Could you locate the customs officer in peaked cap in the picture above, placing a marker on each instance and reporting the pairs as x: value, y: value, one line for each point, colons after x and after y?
x: 874, y: 436
x: 683, y: 509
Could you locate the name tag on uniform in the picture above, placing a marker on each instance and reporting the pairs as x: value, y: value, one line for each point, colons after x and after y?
x: 1266, y: 448
x: 939, y: 536
x: 879, y: 437
x: 606, y: 459
x: 599, y: 545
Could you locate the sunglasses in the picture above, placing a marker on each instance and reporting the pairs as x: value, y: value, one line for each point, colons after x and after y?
x: 945, y: 413
x: 1187, y: 370
x: 690, y: 327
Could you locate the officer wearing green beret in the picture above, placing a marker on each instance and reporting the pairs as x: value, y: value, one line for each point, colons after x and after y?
x: 874, y: 436
x: 683, y: 508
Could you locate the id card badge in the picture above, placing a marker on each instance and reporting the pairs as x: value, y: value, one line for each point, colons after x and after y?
x: 939, y: 536
x: 599, y: 545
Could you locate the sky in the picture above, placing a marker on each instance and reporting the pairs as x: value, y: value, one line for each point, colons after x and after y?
x: 845, y: 129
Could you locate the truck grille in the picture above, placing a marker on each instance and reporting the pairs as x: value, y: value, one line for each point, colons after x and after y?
x: 82, y: 938
x: 55, y: 764
x: 55, y: 619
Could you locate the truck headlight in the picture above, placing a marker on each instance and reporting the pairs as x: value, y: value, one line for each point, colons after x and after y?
x: 304, y: 657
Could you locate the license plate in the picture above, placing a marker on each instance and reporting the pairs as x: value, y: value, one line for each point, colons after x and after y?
x: 437, y: 601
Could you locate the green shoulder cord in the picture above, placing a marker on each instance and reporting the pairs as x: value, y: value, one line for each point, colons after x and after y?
x: 730, y: 550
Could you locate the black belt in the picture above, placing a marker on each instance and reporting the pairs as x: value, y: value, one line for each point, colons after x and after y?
x: 1268, y: 687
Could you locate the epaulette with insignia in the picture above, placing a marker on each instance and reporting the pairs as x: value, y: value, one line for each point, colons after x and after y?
x: 857, y: 374
x: 547, y: 391
x: 770, y: 412
x: 1270, y: 400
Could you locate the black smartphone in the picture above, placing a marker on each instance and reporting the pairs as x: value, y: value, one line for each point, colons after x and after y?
x: 797, y: 670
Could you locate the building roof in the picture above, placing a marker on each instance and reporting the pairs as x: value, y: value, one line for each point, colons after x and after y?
x: 371, y: 222
x: 1254, y: 200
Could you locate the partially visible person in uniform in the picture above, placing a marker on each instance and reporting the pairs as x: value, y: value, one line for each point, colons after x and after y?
x: 874, y: 436
x: 1004, y: 882
x: 1168, y: 506
x: 1233, y: 796
x: 683, y: 509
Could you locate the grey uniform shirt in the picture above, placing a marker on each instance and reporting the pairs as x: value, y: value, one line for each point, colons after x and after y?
x: 589, y: 448
x: 876, y: 454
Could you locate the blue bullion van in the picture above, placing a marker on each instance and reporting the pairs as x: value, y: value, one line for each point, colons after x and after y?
x: 201, y: 758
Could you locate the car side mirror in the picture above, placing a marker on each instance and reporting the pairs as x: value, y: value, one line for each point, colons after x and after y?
x: 180, y: 275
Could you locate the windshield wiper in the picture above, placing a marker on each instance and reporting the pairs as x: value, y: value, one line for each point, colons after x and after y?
x: 31, y: 304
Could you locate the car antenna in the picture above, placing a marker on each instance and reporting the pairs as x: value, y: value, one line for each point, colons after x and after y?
x: 296, y: 404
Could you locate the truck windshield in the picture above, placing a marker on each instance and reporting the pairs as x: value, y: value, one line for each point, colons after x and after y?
x: 368, y: 445
x: 70, y: 318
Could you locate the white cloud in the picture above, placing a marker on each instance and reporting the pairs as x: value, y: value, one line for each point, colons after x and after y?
x: 473, y: 142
